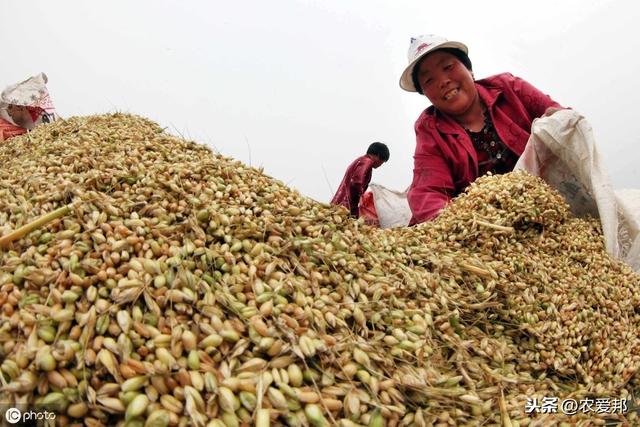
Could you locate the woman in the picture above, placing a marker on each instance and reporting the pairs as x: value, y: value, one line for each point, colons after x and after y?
x: 25, y: 105
x: 471, y: 128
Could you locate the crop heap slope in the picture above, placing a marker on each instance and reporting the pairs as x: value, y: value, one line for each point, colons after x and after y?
x: 185, y: 288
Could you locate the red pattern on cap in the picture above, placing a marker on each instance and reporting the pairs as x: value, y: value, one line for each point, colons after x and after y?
x: 423, y: 46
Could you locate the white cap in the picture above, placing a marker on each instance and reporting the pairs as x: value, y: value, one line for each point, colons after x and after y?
x: 418, y: 48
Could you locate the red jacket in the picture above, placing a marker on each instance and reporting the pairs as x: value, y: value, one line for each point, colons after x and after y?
x: 354, y: 184
x: 8, y: 130
x: 445, y: 160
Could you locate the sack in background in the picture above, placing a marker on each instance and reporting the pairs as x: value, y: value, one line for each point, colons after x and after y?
x: 391, y: 206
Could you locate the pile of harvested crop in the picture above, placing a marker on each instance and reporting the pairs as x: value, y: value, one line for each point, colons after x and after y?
x: 184, y: 288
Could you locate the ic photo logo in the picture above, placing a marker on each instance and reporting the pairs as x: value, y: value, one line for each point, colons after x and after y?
x: 13, y: 415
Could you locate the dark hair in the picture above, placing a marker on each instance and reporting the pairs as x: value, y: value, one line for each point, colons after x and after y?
x: 460, y: 55
x: 379, y: 149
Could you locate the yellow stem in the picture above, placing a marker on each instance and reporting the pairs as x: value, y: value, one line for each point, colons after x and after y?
x: 495, y: 226
x: 504, y: 413
x: 475, y: 270
x: 28, y: 228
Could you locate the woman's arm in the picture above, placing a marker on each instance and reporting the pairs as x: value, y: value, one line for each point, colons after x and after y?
x: 432, y: 187
x: 536, y: 102
x: 8, y: 130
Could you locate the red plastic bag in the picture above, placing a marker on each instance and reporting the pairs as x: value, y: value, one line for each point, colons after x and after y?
x: 367, y: 209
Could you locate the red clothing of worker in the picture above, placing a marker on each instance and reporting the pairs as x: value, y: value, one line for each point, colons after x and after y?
x: 354, y: 184
x: 9, y: 130
x: 445, y: 160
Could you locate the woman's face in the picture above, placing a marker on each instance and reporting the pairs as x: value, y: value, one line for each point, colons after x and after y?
x: 20, y: 115
x: 447, y: 83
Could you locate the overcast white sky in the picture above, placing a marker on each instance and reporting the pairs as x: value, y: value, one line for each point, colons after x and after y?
x: 302, y: 87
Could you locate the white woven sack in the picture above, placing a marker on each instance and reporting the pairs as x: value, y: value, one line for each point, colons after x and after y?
x: 562, y: 151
